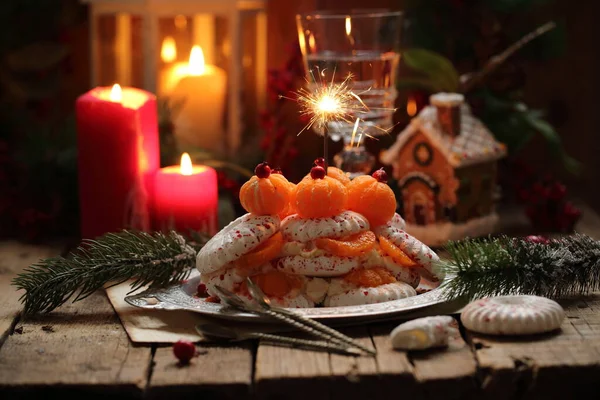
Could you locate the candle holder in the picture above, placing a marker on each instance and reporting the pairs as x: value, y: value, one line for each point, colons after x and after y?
x: 148, y: 44
x: 363, y: 45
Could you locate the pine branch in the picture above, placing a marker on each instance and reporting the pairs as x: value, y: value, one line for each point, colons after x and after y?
x: 471, y: 80
x: 155, y: 260
x: 502, y: 266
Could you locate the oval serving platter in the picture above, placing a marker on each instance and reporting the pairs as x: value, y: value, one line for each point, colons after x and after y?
x: 182, y: 297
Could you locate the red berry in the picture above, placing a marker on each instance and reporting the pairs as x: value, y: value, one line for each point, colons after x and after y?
x: 317, y: 173
x: 277, y: 171
x: 380, y: 175
x: 184, y: 351
x: 537, y: 239
x: 262, y: 170
x: 201, y: 290
x: 320, y: 162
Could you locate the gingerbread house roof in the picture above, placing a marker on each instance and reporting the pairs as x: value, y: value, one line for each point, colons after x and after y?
x: 475, y: 143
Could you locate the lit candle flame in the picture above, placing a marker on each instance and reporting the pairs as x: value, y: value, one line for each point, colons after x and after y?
x: 411, y: 107
x: 311, y: 43
x: 196, y: 65
x: 186, y: 164
x: 168, y: 50
x: 116, y: 94
x: 348, y: 26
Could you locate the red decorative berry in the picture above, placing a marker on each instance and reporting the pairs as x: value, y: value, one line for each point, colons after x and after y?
x: 380, y: 175
x: 277, y: 171
x: 262, y: 170
x: 320, y: 162
x: 317, y: 172
x: 201, y: 290
x: 184, y: 351
x: 537, y: 239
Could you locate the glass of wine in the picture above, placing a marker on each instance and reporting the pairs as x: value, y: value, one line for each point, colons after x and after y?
x: 363, y: 44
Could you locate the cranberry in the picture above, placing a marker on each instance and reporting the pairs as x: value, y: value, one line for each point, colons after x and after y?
x: 184, y: 351
x: 537, y: 239
x: 262, y: 170
x: 380, y: 175
x: 320, y: 162
x: 317, y: 173
x: 201, y: 290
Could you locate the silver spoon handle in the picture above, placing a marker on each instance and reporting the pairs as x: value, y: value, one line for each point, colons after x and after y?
x: 321, y: 329
x: 303, y: 342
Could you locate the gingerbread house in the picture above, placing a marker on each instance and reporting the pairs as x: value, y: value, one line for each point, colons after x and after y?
x: 445, y: 162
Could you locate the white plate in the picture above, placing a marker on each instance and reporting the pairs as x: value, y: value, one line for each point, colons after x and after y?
x: 182, y: 297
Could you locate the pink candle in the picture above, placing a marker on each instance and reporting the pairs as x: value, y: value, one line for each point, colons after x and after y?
x: 118, y: 151
x: 186, y: 198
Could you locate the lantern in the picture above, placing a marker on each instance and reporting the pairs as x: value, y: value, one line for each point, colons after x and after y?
x: 205, y: 58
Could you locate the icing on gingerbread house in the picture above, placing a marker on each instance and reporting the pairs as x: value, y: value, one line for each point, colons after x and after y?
x: 445, y: 162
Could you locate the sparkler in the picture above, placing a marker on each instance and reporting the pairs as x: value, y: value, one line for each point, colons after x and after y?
x: 324, y: 102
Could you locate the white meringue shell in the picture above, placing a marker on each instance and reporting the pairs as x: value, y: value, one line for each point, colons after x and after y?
x: 414, y: 248
x: 424, y: 333
x: 238, y: 238
x: 296, y: 228
x: 512, y: 315
x: 321, y: 266
x: 368, y: 295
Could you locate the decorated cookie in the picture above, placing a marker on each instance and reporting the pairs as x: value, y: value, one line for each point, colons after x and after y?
x: 320, y: 196
x: 392, y: 238
x: 321, y: 265
x: 240, y: 237
x: 299, y: 229
x: 512, y: 315
x: 372, y: 197
x: 342, y: 294
x: 424, y: 333
x: 265, y: 193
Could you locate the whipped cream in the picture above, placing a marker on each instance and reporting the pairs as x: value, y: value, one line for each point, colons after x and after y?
x: 296, y: 228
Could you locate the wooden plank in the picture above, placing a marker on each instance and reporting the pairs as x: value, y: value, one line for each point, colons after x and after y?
x: 15, y: 257
x: 556, y: 365
x: 449, y: 372
x: 79, y: 349
x: 355, y: 376
x: 288, y: 373
x: 219, y: 372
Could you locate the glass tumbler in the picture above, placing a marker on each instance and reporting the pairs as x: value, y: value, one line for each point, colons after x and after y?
x: 365, y: 45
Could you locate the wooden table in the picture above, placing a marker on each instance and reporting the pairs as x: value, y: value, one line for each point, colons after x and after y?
x: 82, y: 350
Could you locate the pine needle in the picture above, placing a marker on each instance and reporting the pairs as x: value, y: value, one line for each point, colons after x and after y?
x: 504, y: 265
x: 151, y: 259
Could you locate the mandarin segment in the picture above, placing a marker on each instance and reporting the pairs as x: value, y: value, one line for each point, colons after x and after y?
x: 354, y: 245
x: 275, y: 283
x: 317, y: 198
x: 396, y: 253
x: 371, y: 277
x: 371, y: 198
x: 265, y: 196
x: 336, y: 174
x: 265, y: 252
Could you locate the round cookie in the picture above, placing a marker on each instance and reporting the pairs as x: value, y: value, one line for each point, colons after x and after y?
x: 296, y: 228
x: 238, y: 238
x: 512, y: 315
x: 340, y: 296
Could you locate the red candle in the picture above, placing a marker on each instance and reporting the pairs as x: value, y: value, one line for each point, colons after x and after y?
x: 118, y: 151
x: 186, y: 198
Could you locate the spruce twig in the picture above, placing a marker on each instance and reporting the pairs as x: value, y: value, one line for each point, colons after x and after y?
x: 151, y: 259
x: 504, y: 265
x: 471, y: 80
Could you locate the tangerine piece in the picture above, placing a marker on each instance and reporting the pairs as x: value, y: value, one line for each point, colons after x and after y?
x: 371, y: 277
x: 274, y: 283
x: 265, y: 193
x: 371, y: 198
x: 289, y: 208
x: 317, y: 198
x: 354, y: 245
x: 265, y: 252
x: 336, y: 174
x: 396, y: 253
